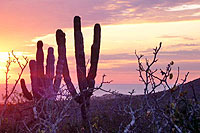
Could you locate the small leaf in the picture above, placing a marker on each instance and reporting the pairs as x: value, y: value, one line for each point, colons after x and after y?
x: 172, y: 105
x: 173, y: 89
x: 161, y: 71
x: 181, y: 94
x: 148, y: 113
x: 170, y: 76
x: 95, y: 125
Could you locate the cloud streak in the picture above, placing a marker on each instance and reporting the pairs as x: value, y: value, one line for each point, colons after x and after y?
x: 50, y: 15
x: 184, y: 7
x: 182, y: 37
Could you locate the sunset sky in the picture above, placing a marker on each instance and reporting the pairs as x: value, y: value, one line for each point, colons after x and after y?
x: 127, y: 25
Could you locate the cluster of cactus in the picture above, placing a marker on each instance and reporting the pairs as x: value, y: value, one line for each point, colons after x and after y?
x: 47, y: 85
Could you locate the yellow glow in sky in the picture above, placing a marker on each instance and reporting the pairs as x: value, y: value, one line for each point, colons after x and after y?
x: 120, y: 39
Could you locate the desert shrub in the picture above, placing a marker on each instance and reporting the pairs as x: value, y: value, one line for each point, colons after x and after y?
x: 175, y: 109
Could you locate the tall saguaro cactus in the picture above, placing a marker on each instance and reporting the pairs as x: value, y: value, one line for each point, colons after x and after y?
x: 43, y: 84
x: 86, y: 84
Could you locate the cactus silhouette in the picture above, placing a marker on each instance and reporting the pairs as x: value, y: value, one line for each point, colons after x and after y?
x: 47, y: 85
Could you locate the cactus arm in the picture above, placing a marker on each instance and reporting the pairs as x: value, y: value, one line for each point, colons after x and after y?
x: 67, y: 80
x: 50, y: 64
x: 26, y: 93
x: 67, y: 77
x: 60, y: 38
x: 58, y: 77
x: 34, y: 79
x: 50, y: 72
x: 94, y: 56
x: 40, y: 64
x: 79, y: 54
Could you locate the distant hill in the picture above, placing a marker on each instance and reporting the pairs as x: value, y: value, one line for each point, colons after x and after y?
x: 195, y: 84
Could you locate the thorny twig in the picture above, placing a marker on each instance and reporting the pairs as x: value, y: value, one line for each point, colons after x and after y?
x: 22, y: 68
x: 159, y: 119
